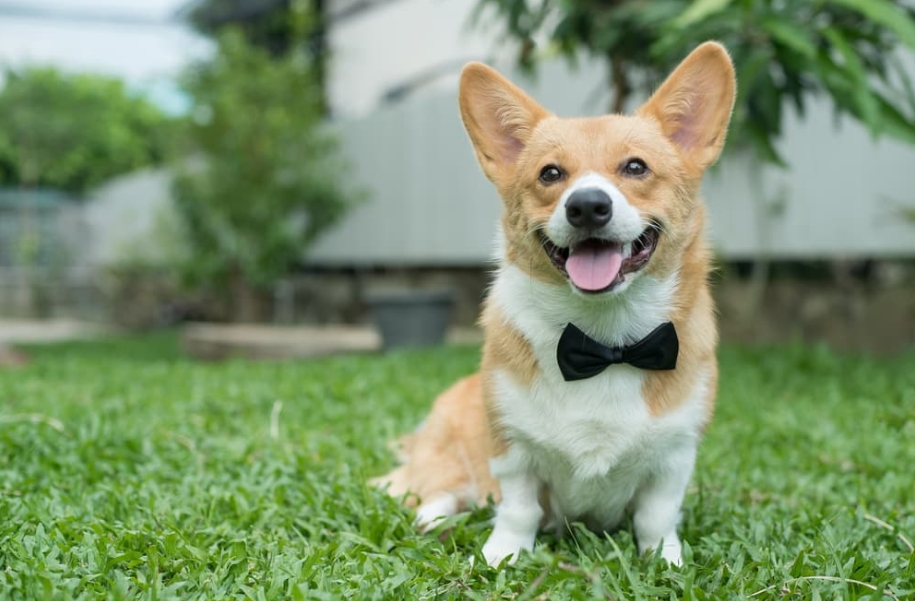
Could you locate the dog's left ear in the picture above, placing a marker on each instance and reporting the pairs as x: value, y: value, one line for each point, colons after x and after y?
x: 694, y: 103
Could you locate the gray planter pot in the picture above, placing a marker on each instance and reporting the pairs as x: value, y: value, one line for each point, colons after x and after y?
x: 411, y: 318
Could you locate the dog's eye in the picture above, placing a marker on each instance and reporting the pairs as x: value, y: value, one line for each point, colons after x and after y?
x: 635, y: 167
x: 550, y: 174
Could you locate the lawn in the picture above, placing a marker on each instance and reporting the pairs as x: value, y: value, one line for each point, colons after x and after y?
x: 127, y: 471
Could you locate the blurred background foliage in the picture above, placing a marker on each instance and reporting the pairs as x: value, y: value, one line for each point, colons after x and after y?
x: 73, y: 131
x: 268, y: 178
x: 259, y: 172
x: 784, y: 52
x: 278, y: 26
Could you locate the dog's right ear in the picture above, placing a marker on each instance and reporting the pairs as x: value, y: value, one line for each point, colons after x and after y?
x: 498, y: 116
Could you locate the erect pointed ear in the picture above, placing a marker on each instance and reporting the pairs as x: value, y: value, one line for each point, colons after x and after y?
x: 694, y: 103
x: 498, y: 116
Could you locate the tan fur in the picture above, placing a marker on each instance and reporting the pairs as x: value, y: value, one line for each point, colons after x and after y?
x: 449, y: 452
x: 506, y: 348
x: 702, y: 133
x: 514, y: 138
x: 498, y: 440
x: 694, y: 318
x: 516, y: 114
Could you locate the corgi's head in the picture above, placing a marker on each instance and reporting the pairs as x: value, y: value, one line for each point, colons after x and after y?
x: 599, y: 201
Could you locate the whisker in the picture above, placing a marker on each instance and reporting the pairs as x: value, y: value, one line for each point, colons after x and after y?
x: 535, y: 230
x: 542, y: 239
x: 657, y: 225
x: 530, y: 276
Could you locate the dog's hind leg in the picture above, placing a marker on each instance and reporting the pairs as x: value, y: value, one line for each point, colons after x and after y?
x: 447, y: 458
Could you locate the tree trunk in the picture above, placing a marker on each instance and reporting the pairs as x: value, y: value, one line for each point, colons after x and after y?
x: 249, y: 303
x: 620, y: 84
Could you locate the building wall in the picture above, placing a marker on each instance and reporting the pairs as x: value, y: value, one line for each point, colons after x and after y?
x: 430, y: 204
x: 428, y: 201
x: 396, y: 41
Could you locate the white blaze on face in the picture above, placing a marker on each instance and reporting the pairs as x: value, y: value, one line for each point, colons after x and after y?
x: 595, y: 255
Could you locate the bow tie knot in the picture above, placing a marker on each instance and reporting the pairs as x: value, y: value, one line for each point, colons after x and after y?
x: 580, y: 356
x: 614, y: 355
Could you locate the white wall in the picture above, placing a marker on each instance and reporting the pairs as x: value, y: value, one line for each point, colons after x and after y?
x: 396, y: 40
x: 841, y: 195
x: 431, y: 204
x: 125, y: 219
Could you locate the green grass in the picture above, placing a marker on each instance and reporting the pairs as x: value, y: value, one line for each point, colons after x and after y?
x: 129, y: 472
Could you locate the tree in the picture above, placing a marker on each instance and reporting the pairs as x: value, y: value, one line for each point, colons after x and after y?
x: 784, y: 52
x: 275, y: 25
x: 74, y: 131
x: 270, y: 179
x: 279, y: 26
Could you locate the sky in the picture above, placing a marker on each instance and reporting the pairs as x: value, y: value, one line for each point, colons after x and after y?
x: 139, y: 41
x: 147, y: 8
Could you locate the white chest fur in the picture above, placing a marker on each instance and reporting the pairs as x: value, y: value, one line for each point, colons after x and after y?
x: 593, y: 442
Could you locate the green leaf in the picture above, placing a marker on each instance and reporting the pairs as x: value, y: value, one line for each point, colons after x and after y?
x: 901, y: 70
x: 859, y: 86
x: 790, y: 35
x: 75, y: 131
x: 894, y: 123
x: 751, y: 68
x: 264, y: 138
x: 886, y: 14
x: 699, y: 10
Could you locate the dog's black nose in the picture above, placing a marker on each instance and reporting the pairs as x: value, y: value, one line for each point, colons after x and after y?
x: 590, y: 207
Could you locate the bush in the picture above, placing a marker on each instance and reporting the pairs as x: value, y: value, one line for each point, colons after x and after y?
x: 72, y: 132
x: 269, y: 182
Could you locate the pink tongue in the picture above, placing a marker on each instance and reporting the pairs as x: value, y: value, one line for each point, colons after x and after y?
x: 592, y: 266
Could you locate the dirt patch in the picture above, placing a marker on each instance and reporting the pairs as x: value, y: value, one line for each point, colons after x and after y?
x: 212, y: 342
x: 249, y: 341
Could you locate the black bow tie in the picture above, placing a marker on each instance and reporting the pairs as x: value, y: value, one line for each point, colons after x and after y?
x: 581, y: 357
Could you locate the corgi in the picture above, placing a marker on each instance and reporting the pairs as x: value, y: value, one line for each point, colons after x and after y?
x: 598, y: 375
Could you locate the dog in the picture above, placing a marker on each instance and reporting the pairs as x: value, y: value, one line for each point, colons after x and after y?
x: 598, y: 375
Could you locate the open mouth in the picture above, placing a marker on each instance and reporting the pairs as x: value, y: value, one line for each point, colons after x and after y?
x: 598, y: 265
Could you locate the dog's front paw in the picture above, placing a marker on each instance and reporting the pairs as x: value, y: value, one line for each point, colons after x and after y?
x: 429, y: 514
x: 501, y: 545
x: 673, y: 553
